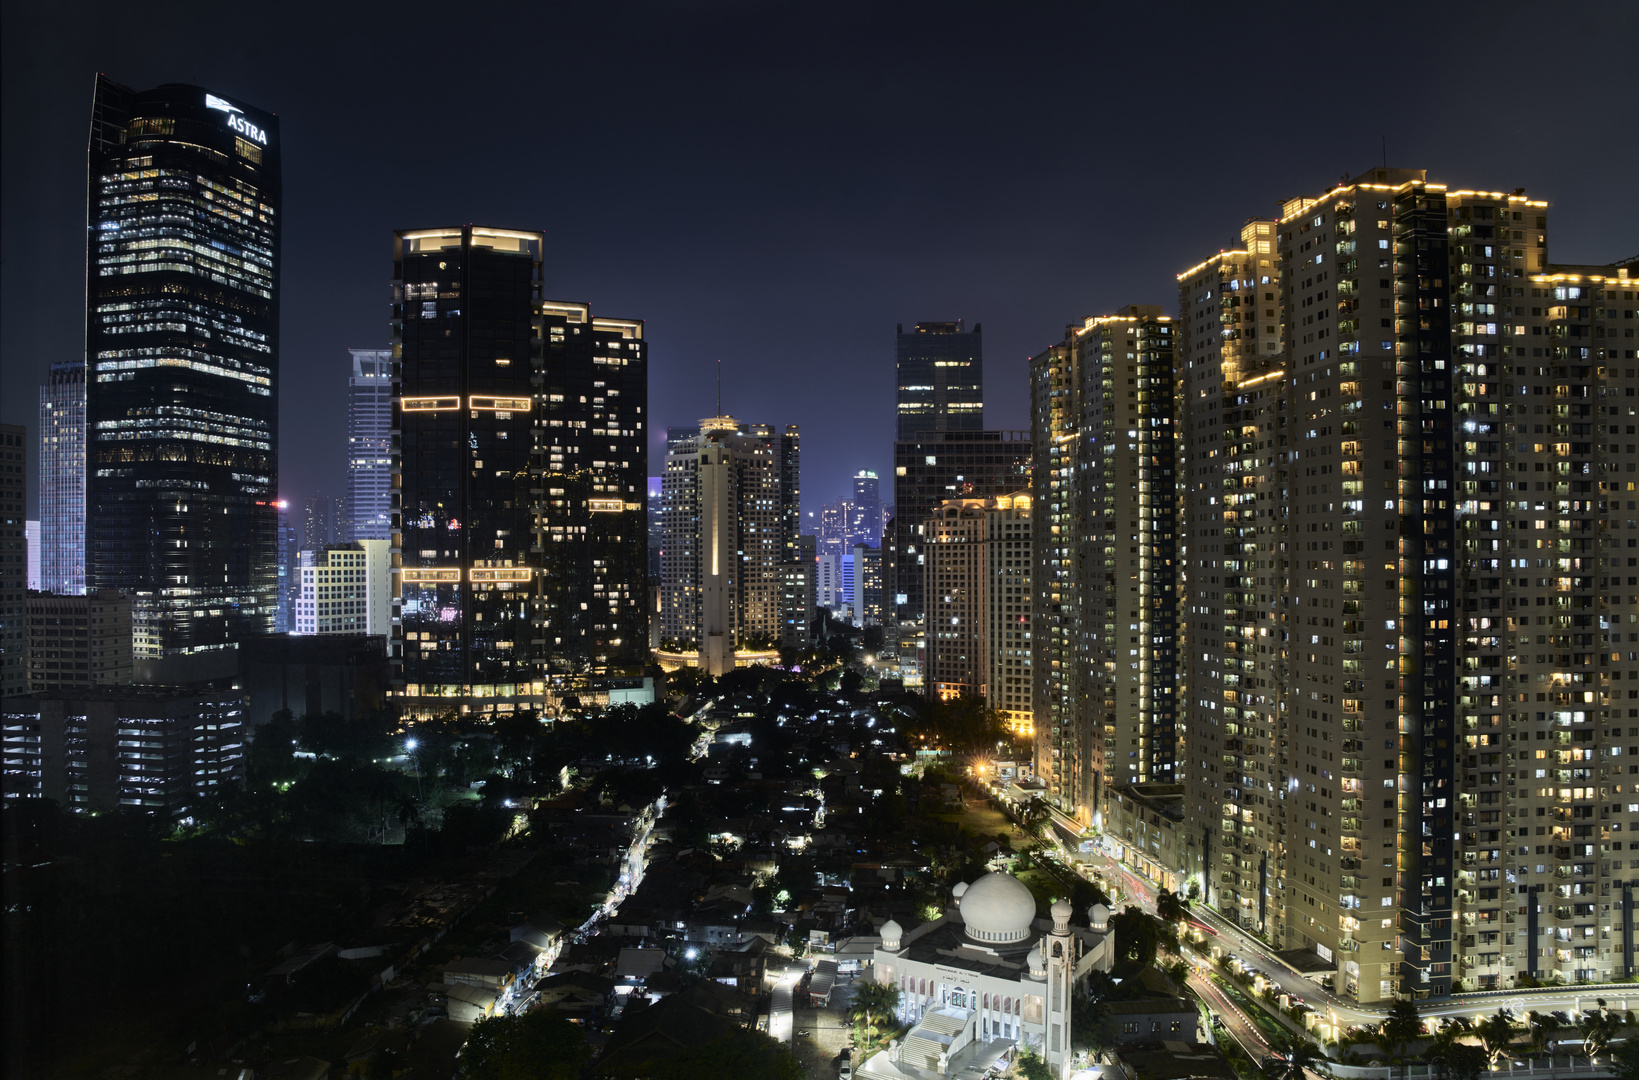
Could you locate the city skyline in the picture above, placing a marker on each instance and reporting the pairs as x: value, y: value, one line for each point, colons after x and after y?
x: 869, y: 248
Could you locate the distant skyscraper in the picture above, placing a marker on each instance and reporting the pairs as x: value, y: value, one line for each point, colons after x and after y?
x: 182, y: 362
x: 941, y: 379
x: 324, y: 522
x: 799, y: 580
x: 289, y: 543
x: 31, y: 533
x: 865, y: 515
x: 369, y: 445
x: 62, y: 479
x: 13, y: 562
x: 867, y: 585
x: 728, y: 514
x: 951, y: 465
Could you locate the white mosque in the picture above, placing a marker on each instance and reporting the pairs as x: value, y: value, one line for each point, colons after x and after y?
x: 989, y: 970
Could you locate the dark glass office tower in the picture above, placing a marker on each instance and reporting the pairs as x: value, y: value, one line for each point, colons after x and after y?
x: 182, y: 362
x: 941, y: 379
x: 947, y: 465
x: 590, y: 478
x: 520, y: 451
x: 466, y: 319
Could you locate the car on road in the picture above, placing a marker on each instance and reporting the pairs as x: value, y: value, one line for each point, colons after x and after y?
x: 845, y: 1072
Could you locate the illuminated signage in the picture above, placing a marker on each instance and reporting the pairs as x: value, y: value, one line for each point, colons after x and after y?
x: 236, y: 119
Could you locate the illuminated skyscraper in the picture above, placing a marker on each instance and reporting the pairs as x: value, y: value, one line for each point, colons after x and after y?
x: 62, y: 480
x: 941, y: 379
x: 1409, y: 595
x: 369, y: 445
x: 182, y: 362
x: 521, y: 424
x: 13, y: 562
x: 727, y: 512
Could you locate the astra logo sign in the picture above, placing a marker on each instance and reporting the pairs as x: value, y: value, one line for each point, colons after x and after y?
x: 236, y: 119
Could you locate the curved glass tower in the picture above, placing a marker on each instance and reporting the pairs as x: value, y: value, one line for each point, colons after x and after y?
x: 182, y: 347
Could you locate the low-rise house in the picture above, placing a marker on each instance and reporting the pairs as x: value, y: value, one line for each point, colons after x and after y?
x: 579, y: 996
x: 494, y: 975
x: 469, y: 1004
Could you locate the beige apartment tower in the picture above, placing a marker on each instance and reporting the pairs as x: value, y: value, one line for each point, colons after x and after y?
x: 1105, y: 614
x: 977, y: 581
x: 1407, y: 609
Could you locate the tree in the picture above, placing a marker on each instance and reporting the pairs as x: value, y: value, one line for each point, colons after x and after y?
x: 1542, y: 1027
x: 1035, y: 816
x: 1597, y: 1027
x: 1293, y: 1058
x: 1625, y: 1060
x: 1496, y: 1032
x: 1171, y: 907
x: 1029, y: 1065
x: 536, y: 1045
x: 1137, y: 937
x: 1455, y: 1060
x: 738, y: 1055
x: 875, y: 1007
x: 1401, y: 1026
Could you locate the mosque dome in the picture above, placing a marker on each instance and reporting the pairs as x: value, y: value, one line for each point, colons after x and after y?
x: 891, y: 932
x: 957, y: 890
x: 998, y: 909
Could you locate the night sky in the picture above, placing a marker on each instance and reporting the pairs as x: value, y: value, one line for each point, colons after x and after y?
x: 776, y: 185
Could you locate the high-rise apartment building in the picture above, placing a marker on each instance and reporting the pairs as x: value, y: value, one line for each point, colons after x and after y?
x: 522, y: 449
x: 13, y: 561
x: 726, y: 527
x: 182, y: 362
x: 1105, y: 639
x: 956, y: 579
x: 1236, y: 427
x: 940, y: 372
x: 1408, y: 634
x: 345, y: 589
x: 867, y: 594
x: 62, y: 479
x: 927, y: 471
x: 369, y: 510
x: 979, y: 604
x: 1008, y: 557
x: 78, y: 641
x: 799, y: 581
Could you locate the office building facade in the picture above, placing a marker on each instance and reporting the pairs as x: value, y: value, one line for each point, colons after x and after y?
x: 369, y: 511
x: 345, y: 589
x: 13, y: 561
x: 953, y: 465
x: 522, y: 439
x: 799, y: 585
x: 78, y: 641
x: 940, y: 373
x: 62, y: 479
x: 1008, y: 603
x: 182, y: 362
x: 468, y: 327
